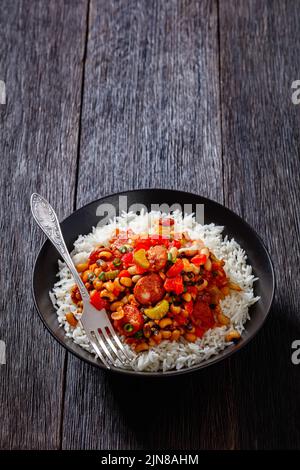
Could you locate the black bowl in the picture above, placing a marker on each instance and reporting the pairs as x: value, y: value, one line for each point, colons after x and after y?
x: 82, y: 221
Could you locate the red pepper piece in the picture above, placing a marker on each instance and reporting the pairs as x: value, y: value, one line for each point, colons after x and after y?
x: 127, y: 260
x: 174, y: 284
x: 124, y: 273
x: 176, y: 269
x: 199, y: 260
x: 97, y: 301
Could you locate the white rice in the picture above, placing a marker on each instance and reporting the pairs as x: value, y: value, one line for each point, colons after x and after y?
x: 168, y: 355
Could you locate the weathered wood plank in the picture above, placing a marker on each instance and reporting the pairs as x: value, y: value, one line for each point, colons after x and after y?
x: 150, y: 119
x: 261, y: 135
x: 41, y: 49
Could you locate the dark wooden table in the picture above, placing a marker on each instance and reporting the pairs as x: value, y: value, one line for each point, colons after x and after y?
x: 105, y: 96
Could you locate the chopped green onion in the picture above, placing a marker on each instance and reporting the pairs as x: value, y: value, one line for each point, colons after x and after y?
x: 123, y: 249
x: 170, y: 257
x: 101, y: 276
x: 117, y: 262
x: 138, y: 334
x: 128, y: 327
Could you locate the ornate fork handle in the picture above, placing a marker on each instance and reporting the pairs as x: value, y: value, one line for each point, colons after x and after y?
x: 47, y: 220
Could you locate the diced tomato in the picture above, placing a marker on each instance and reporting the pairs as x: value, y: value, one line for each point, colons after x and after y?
x: 174, y: 284
x: 219, y: 275
x: 127, y: 259
x: 175, y: 269
x: 97, y: 301
x: 143, y: 243
x: 139, y: 269
x: 124, y: 273
x: 132, y: 318
x: 199, y: 260
x: 188, y: 306
x: 192, y: 290
x: 181, y: 320
x: 202, y: 314
x: 199, y: 331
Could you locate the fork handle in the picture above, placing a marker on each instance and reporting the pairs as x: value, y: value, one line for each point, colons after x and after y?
x: 47, y: 220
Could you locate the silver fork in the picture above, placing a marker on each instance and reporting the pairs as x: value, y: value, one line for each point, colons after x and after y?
x: 95, y: 323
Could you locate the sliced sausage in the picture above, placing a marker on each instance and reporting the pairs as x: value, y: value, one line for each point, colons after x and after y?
x: 149, y: 289
x: 132, y: 317
x: 157, y: 256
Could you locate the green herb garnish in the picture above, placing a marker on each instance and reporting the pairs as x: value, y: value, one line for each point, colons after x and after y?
x: 128, y: 327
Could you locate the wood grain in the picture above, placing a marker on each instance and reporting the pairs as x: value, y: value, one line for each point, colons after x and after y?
x: 178, y: 94
x: 41, y: 49
x: 261, y: 135
x: 150, y: 118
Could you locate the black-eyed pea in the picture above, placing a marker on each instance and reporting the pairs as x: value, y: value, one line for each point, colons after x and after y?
x: 86, y: 275
x: 203, y: 285
x: 225, y: 290
x: 118, y: 285
x: 175, y: 309
x: 187, y: 268
x: 109, y: 285
x: 175, y: 335
x: 115, y: 305
x: 97, y: 284
x: 141, y: 347
x: 234, y: 286
x: 204, y: 251
x: 166, y: 334
x: 232, y: 336
x: 190, y: 337
x: 71, y: 319
x: 82, y: 267
x: 118, y: 315
x: 132, y: 270
x: 208, y: 265
x: 147, y: 330
x: 223, y: 319
x: 107, y: 295
x: 165, y: 322
x: 126, y: 281
x: 195, y: 269
x: 184, y: 313
x: 187, y: 297
x: 191, y: 328
x: 157, y: 337
x: 105, y: 255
